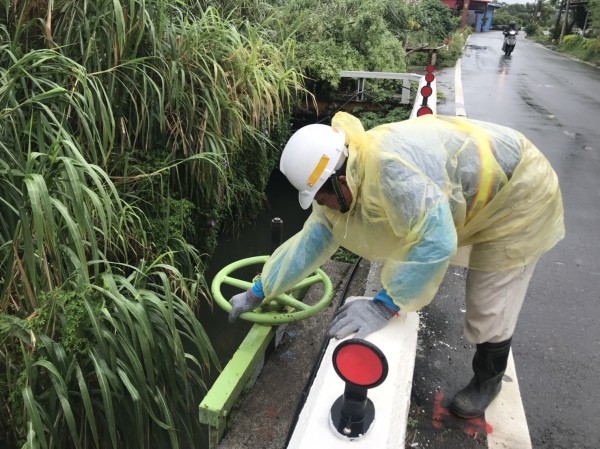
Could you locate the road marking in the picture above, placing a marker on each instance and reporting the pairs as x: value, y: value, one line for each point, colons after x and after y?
x: 459, y: 98
x: 507, y: 416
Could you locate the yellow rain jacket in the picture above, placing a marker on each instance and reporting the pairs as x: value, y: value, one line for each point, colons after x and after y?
x: 421, y: 188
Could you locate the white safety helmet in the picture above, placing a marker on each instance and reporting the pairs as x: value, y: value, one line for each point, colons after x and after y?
x: 310, y: 157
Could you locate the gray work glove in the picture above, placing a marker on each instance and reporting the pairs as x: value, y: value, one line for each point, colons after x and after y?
x: 363, y: 316
x: 242, y: 302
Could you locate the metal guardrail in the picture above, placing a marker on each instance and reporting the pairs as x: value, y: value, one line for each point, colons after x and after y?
x: 406, y: 79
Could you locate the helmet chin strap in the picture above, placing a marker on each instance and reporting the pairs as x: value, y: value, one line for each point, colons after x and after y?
x: 339, y: 194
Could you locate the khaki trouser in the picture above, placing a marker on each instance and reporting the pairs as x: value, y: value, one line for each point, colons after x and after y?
x: 494, y: 300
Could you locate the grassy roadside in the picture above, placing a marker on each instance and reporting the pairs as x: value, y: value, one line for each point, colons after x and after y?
x: 584, y: 49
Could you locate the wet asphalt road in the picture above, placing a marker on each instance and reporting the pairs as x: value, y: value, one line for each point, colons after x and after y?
x: 555, y: 101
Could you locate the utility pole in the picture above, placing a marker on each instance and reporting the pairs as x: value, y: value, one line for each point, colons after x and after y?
x: 538, y: 11
x: 565, y: 22
x: 465, y: 11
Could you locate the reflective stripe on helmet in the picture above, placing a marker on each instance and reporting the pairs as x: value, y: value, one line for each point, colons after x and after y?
x: 310, y: 156
x: 316, y: 174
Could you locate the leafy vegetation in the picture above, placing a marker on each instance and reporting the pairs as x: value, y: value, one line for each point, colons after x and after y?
x: 586, y: 49
x: 123, y: 128
x: 363, y: 35
x: 341, y: 35
x: 548, y: 29
x: 580, y: 37
x: 343, y: 255
x: 522, y: 14
x: 433, y: 24
x: 594, y: 17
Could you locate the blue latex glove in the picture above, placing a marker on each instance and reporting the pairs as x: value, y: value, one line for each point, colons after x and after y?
x: 246, y: 301
x: 363, y: 316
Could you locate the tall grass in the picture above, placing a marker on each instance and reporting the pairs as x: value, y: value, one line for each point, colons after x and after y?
x: 187, y: 80
x: 111, y: 113
x: 586, y: 49
x: 95, y: 339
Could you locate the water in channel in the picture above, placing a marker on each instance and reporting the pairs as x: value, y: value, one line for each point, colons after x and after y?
x: 252, y: 240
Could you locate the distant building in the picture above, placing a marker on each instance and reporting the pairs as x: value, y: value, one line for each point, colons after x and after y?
x: 479, y: 15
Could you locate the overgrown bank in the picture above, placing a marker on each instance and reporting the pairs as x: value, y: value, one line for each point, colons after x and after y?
x: 122, y: 125
x: 579, y: 47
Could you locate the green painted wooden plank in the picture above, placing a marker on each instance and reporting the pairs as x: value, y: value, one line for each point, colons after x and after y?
x: 222, y: 396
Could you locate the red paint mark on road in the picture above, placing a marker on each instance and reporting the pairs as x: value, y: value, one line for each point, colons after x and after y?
x: 439, y: 412
x: 441, y: 416
x: 475, y: 427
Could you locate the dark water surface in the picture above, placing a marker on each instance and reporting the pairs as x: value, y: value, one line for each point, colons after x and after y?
x: 252, y: 240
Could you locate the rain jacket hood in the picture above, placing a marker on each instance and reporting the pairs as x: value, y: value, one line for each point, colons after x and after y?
x: 421, y: 188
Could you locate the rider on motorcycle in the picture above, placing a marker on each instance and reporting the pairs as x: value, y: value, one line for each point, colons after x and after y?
x: 511, y: 26
x: 509, y: 41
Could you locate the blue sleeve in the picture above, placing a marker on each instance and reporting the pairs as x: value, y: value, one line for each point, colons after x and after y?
x: 413, y: 281
x: 299, y: 256
x: 384, y: 298
x: 257, y: 289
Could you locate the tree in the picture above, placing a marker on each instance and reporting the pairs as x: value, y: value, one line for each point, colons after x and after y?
x: 521, y: 14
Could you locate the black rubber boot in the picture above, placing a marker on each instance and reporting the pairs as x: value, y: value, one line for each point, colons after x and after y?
x: 489, y: 364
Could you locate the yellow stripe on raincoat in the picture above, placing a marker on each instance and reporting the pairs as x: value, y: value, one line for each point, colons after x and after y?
x: 421, y: 188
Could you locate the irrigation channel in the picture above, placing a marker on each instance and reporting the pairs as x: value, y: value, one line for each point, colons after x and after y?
x: 252, y: 240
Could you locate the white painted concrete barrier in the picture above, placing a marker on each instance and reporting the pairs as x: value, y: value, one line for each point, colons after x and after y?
x: 432, y: 101
x: 391, y: 399
x: 398, y: 341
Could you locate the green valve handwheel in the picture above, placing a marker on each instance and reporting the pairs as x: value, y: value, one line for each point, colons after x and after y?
x: 273, y: 311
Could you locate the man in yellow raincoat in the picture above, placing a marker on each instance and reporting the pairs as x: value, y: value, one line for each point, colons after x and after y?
x: 408, y: 194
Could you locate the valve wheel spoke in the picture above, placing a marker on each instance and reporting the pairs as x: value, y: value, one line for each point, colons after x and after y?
x: 284, y: 308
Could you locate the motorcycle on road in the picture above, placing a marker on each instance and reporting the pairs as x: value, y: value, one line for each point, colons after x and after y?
x: 510, y: 40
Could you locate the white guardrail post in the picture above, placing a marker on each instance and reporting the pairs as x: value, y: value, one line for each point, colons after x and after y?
x: 420, y: 100
x: 398, y: 342
x: 406, y: 79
